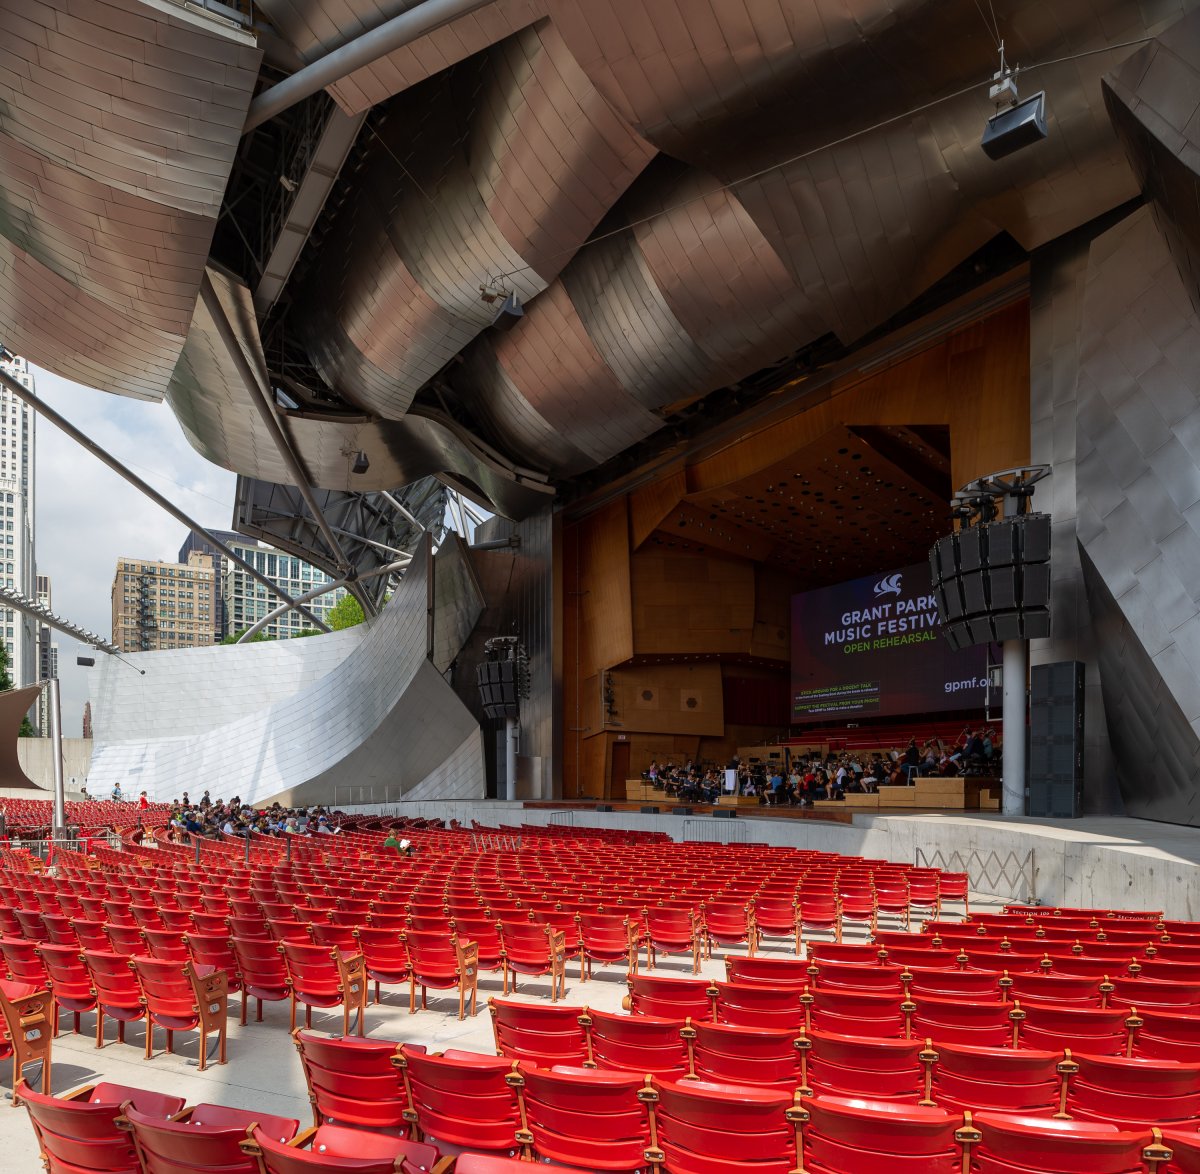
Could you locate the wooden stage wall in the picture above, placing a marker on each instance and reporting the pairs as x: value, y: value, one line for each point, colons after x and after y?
x: 652, y: 636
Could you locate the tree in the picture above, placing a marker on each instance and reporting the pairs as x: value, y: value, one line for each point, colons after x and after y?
x: 257, y: 638
x: 346, y: 613
x: 306, y: 632
x: 26, y: 730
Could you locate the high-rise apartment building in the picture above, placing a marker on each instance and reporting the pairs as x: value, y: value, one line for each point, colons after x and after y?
x: 47, y: 655
x: 87, y: 719
x: 17, y: 561
x: 194, y: 543
x: 158, y: 605
x: 248, y: 601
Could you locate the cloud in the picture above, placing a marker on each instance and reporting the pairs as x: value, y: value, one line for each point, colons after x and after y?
x: 87, y: 517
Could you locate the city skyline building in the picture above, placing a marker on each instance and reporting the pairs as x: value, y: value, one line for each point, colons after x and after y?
x: 18, y: 569
x: 195, y: 543
x: 247, y: 601
x: 160, y: 605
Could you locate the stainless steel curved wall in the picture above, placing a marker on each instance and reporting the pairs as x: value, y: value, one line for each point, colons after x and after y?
x: 120, y: 121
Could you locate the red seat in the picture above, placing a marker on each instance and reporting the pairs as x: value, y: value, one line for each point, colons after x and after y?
x: 778, y: 917
x: 443, y: 962
x: 78, y: 1132
x: 1046, y: 1025
x: 760, y: 1056
x: 585, y: 1118
x: 961, y: 1022
x: 261, y: 969
x: 671, y: 931
x: 607, y: 939
x: 637, y: 1043
x: 1019, y: 1080
x: 1167, y: 1035
x: 1017, y: 1145
x: 852, y: 1066
x: 844, y: 1135
x: 205, y: 1138
x: 729, y: 923
x: 753, y: 1005
x: 539, y: 1035
x: 1184, y: 1144
x: 764, y: 971
x: 1131, y: 1093
x: 352, y: 1081
x: 320, y: 976
x: 180, y: 998
x: 704, y: 1128
x: 464, y: 1100
x: 534, y: 949
x: 118, y: 994
x: 332, y: 1147
x: 384, y: 954
x: 880, y: 1016
x: 848, y: 976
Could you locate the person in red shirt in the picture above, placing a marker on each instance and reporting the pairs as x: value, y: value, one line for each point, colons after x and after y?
x: 143, y: 802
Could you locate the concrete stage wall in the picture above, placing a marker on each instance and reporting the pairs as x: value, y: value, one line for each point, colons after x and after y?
x: 1107, y: 862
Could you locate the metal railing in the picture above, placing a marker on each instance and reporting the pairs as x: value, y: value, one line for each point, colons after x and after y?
x: 562, y: 818
x: 495, y: 842
x: 715, y: 831
x: 1011, y: 875
x: 347, y: 794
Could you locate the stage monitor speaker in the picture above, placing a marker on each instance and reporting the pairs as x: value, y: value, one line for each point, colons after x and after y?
x: 1001, y: 543
x: 1034, y: 533
x: 1015, y: 127
x: 682, y: 810
x: 974, y: 595
x: 1035, y: 585
x: 649, y: 810
x: 1002, y: 587
x: 1056, y: 726
x: 604, y: 807
x: 970, y: 549
x: 718, y: 813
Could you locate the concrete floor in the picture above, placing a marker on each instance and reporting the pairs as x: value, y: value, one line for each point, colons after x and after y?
x: 264, y: 1071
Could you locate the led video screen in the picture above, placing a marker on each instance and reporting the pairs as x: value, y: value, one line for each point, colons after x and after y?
x: 872, y: 648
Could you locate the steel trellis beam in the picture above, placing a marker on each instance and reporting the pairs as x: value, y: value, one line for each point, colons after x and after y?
x: 47, y: 412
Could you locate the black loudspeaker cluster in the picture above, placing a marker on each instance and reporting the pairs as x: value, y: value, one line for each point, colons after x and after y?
x: 992, y: 581
x: 498, y: 687
x: 1056, y: 698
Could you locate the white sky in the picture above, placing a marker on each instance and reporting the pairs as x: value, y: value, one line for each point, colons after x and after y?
x: 88, y: 517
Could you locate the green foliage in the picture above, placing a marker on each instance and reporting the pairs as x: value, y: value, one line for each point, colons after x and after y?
x: 306, y: 632
x: 346, y: 613
x: 257, y: 638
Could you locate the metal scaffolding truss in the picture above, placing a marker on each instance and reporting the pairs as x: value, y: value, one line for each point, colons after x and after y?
x: 376, y: 529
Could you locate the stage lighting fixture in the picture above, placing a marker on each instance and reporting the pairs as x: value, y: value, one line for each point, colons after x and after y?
x: 361, y: 462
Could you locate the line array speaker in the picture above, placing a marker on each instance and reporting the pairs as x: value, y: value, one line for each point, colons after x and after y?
x: 992, y: 581
x: 497, y: 683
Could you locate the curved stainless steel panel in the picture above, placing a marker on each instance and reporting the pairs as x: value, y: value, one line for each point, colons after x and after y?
x: 397, y: 292
x: 120, y: 123
x: 217, y: 416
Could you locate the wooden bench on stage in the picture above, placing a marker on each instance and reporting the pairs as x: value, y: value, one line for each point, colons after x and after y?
x: 945, y: 794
